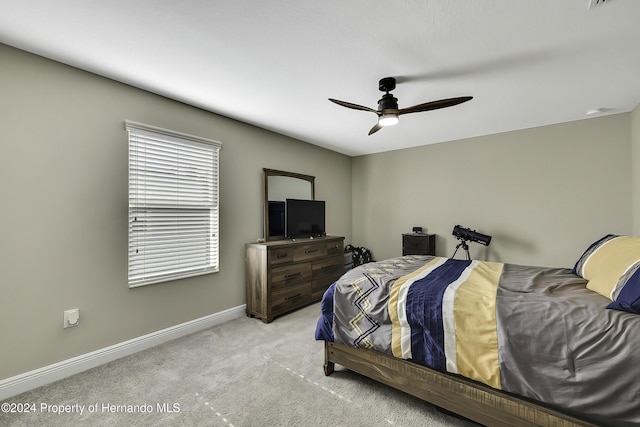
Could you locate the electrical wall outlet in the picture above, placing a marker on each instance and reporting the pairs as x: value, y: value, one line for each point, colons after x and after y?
x: 71, y: 318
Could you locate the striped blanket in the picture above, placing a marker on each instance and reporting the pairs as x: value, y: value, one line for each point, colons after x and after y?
x: 427, y: 329
x: 534, y: 331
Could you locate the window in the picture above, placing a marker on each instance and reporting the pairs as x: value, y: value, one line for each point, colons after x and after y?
x: 173, y: 205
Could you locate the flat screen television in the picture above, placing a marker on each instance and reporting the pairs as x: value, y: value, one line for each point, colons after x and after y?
x: 304, y: 218
x: 276, y: 218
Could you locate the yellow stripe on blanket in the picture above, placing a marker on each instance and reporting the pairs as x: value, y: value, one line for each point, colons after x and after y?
x: 400, y: 329
x: 476, y: 332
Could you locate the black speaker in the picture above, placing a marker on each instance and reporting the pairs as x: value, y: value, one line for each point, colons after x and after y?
x: 417, y: 229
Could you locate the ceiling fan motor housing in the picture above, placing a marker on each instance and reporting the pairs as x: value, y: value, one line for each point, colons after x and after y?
x: 388, y: 102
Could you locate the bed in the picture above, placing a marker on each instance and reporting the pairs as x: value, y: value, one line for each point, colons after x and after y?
x: 497, y: 343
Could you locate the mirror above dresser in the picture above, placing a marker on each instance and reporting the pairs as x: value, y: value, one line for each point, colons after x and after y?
x: 278, y: 187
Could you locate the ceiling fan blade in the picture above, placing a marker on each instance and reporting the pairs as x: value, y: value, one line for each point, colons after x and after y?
x: 353, y: 106
x: 375, y: 129
x: 435, y: 105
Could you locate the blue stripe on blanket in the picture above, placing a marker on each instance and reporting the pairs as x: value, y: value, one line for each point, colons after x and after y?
x: 424, y: 313
x: 324, y: 326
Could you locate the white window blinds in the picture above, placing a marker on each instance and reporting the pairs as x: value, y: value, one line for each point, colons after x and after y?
x: 173, y: 205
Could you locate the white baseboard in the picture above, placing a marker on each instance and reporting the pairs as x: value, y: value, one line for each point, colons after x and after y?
x: 29, y: 380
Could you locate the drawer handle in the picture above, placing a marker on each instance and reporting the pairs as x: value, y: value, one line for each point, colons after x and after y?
x: 289, y: 276
x: 334, y: 247
x: 293, y: 297
x: 310, y: 251
x: 328, y: 266
x: 281, y: 255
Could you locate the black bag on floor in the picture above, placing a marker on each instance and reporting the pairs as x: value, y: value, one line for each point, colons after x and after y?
x: 359, y: 255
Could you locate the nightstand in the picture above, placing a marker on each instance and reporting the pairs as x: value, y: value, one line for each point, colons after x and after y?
x: 418, y: 244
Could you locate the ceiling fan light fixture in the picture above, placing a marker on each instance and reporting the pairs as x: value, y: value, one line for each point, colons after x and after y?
x: 388, y: 120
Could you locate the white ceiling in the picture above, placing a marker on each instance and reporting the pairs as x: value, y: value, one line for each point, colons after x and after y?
x: 275, y: 63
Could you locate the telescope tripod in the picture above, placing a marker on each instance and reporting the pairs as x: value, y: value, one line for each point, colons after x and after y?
x: 463, y: 245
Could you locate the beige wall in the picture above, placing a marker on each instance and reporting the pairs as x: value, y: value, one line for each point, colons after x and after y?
x: 543, y: 194
x: 63, y: 240
x: 635, y: 187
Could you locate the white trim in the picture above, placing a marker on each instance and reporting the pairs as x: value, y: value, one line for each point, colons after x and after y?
x: 29, y: 380
x: 131, y: 124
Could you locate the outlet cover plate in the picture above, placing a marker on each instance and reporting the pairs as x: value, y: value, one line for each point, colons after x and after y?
x: 71, y: 318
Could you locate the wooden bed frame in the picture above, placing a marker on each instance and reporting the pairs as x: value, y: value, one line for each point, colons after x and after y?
x: 453, y: 393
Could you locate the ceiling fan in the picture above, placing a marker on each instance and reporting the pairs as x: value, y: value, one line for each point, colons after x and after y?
x: 388, y: 111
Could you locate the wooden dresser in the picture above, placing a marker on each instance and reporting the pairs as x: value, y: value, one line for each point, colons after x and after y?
x: 284, y: 275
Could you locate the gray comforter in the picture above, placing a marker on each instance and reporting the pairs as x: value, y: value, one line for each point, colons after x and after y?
x: 533, y: 331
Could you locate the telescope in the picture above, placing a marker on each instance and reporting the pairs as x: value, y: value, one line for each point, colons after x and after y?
x: 466, y: 234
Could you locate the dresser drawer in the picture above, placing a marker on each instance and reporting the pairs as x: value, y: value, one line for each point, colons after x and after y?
x: 333, y: 266
x: 319, y: 287
x: 290, y: 274
x: 325, y: 272
x: 310, y: 251
x: 335, y: 248
x: 280, y: 256
x: 293, y: 296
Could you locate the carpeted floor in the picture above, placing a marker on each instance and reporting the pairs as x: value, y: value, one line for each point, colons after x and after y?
x: 242, y: 373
